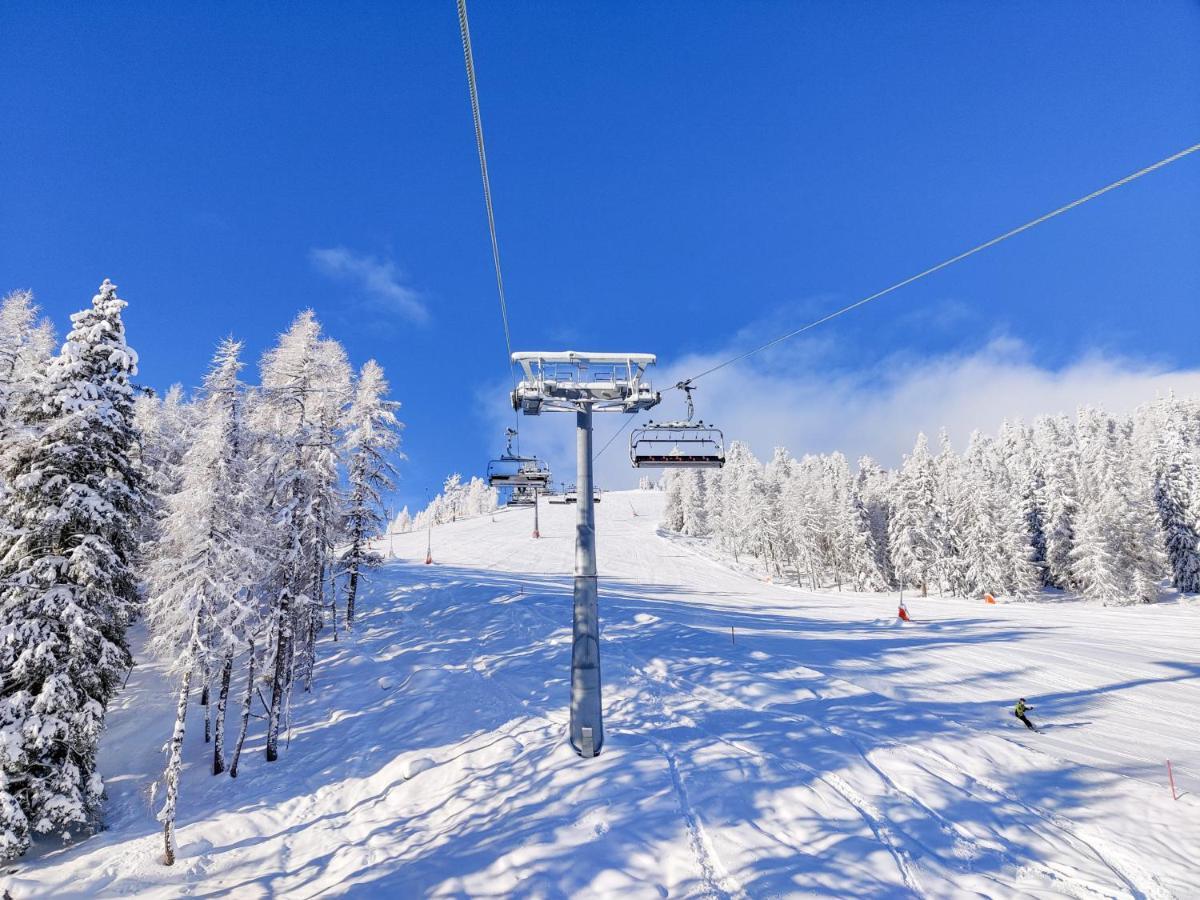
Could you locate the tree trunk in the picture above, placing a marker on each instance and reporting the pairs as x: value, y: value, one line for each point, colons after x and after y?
x: 222, y: 699
x: 246, y: 699
x: 206, y: 673
x: 310, y: 648
x: 293, y: 620
x: 351, y: 592
x: 174, y: 767
x: 333, y: 601
x: 316, y: 609
x: 812, y: 572
x: 279, y: 681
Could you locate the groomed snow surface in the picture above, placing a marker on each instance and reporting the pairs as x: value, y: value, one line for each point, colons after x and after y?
x: 821, y: 749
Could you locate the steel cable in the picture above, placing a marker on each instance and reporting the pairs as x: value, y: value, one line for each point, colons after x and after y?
x: 949, y: 262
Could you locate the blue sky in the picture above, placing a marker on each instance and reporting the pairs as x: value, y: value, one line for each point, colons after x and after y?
x: 678, y: 178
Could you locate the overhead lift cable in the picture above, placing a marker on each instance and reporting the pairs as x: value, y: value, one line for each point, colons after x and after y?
x: 469, y: 61
x: 620, y: 431
x: 683, y: 385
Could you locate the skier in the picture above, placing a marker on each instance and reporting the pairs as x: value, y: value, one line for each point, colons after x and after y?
x: 1019, y: 712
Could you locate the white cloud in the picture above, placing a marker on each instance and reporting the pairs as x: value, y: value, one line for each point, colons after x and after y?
x: 876, y: 410
x: 380, y: 281
x: 879, y: 410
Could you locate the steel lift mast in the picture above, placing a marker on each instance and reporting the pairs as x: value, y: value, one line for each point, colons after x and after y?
x: 584, y: 383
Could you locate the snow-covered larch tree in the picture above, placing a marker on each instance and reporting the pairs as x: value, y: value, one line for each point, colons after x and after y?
x: 199, y: 607
x: 305, y: 388
x: 372, y: 435
x: 164, y: 430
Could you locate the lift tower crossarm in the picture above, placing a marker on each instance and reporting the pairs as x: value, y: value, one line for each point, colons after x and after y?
x: 570, y: 380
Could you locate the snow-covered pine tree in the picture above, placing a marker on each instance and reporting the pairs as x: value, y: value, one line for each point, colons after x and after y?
x: 956, y: 511
x: 850, y: 529
x: 67, y: 588
x: 672, y: 516
x: 691, y: 502
x: 481, y: 499
x: 744, y: 528
x: 913, y: 530
x: 802, y: 520
x: 874, y: 490
x: 1026, y: 479
x: 453, y: 497
x: 715, y: 488
x: 26, y: 344
x: 372, y: 435
x: 997, y: 550
x: 1056, y: 446
x: 1176, y: 490
x: 1118, y: 554
x: 778, y: 474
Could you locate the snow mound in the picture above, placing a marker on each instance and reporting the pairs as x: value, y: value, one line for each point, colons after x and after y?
x: 414, y: 767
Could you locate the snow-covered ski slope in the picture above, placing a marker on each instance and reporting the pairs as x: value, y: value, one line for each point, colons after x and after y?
x: 818, y: 750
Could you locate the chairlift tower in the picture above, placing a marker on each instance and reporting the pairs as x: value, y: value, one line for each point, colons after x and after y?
x: 584, y: 383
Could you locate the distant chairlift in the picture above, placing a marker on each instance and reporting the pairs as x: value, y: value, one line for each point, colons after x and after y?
x: 521, y: 473
x: 522, y: 495
x: 571, y: 495
x: 677, y: 445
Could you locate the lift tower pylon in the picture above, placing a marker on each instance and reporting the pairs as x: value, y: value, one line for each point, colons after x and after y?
x: 584, y: 383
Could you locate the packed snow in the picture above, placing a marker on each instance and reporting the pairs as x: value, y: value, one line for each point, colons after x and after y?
x: 762, y: 740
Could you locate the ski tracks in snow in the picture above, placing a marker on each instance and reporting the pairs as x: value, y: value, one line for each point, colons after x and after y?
x: 1141, y: 884
x: 866, y: 810
x: 718, y: 880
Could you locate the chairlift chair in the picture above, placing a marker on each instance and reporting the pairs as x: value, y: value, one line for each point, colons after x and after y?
x: 512, y: 470
x: 677, y: 445
x: 518, y: 471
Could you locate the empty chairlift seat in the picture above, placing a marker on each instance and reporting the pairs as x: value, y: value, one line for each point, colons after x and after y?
x: 677, y: 445
x: 518, y: 471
